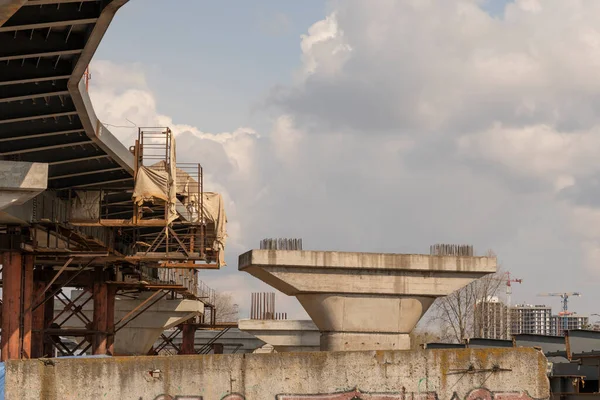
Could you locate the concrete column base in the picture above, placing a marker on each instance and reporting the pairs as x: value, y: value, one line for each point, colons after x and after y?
x: 374, y: 322
x: 360, y: 341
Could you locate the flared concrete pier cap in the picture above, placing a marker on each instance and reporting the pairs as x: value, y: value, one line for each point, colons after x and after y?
x: 21, y: 181
x: 284, y: 335
x: 138, y: 336
x: 364, y: 301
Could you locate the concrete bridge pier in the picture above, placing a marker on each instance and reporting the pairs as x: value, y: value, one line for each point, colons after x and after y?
x: 353, y: 322
x: 364, y: 301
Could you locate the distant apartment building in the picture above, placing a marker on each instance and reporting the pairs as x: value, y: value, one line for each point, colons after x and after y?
x: 560, y: 323
x: 531, y: 319
x: 490, y: 319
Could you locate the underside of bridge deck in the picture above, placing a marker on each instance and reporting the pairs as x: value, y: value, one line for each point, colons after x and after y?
x: 83, y: 230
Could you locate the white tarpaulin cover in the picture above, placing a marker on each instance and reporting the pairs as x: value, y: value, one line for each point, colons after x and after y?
x: 85, y: 206
x: 215, y: 212
x: 155, y: 182
x: 152, y: 184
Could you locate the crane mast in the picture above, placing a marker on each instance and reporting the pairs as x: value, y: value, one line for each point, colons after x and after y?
x: 509, y: 282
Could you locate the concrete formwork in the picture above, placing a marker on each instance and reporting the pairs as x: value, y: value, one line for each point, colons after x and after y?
x: 364, y: 301
x: 470, y: 374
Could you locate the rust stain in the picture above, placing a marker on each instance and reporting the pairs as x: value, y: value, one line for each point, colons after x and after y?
x: 7, y: 10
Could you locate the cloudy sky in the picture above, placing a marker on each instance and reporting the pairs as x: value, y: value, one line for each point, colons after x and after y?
x: 381, y: 126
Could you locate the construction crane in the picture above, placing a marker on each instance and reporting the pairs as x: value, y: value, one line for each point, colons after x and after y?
x: 565, y: 300
x: 509, y: 288
x: 509, y: 283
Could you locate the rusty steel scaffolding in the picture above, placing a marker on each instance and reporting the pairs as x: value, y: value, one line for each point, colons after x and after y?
x: 107, y: 245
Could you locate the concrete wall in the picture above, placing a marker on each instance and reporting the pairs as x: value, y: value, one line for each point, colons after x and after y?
x: 470, y: 374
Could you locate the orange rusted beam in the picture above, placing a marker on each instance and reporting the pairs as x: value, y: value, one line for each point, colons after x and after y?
x: 17, y: 295
x: 27, y: 296
x: 188, y: 265
x: 11, y: 304
x: 119, y: 222
x: 188, y: 333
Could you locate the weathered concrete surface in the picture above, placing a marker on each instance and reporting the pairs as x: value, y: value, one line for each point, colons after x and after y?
x: 364, y: 301
x: 138, y: 336
x: 284, y: 335
x: 385, y: 375
x: 20, y: 181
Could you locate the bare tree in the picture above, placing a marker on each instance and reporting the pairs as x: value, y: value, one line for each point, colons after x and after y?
x: 456, y: 314
x: 419, y: 336
x: 226, y: 309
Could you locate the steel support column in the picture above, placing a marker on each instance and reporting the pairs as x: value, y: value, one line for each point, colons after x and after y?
x: 37, y: 334
x: 17, y: 281
x: 11, y: 304
x: 26, y: 312
x: 48, y: 307
x: 188, y: 334
x: 110, y: 319
x: 218, y: 348
x: 100, y: 293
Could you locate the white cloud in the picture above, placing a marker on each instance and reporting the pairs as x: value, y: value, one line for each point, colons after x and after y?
x: 537, y: 151
x: 512, y: 99
x: 323, y: 48
x: 415, y: 122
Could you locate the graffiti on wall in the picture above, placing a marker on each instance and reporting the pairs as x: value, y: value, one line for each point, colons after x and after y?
x: 358, y: 395
x: 476, y: 394
x: 233, y: 396
x: 355, y: 394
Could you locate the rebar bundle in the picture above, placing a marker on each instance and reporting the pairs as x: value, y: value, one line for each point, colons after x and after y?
x: 262, y: 306
x: 461, y: 250
x: 281, y: 244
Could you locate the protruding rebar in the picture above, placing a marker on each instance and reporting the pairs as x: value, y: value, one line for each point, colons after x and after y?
x: 281, y: 244
x: 262, y: 306
x: 461, y: 250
